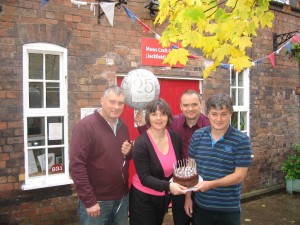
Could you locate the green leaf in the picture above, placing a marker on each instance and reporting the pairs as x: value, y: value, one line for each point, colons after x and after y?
x: 194, y: 13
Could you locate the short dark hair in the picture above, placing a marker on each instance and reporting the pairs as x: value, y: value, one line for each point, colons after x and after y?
x: 219, y: 101
x: 160, y: 105
x: 191, y: 92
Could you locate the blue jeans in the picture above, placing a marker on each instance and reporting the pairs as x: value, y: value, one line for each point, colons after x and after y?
x: 113, y: 212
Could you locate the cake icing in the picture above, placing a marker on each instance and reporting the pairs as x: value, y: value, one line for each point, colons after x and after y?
x: 185, y: 173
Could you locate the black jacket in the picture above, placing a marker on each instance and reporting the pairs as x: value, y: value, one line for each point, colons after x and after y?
x: 147, y: 164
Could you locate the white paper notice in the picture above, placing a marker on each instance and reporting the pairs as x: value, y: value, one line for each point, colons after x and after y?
x: 32, y: 167
x: 86, y: 111
x: 55, y: 131
x: 42, y: 160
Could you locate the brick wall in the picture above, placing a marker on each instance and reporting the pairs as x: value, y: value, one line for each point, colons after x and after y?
x: 99, y: 52
x: 274, y: 105
x: 50, y: 206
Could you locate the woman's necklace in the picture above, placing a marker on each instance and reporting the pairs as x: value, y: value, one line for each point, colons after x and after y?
x: 158, y: 139
x: 161, y: 138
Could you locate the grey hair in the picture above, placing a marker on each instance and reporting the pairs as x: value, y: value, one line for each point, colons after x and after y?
x: 219, y: 101
x: 192, y: 92
x: 113, y: 89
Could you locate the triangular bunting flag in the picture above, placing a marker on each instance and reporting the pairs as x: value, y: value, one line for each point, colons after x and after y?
x: 78, y: 3
x: 272, y: 59
x: 260, y: 61
x: 256, y: 63
x: 129, y: 14
x: 145, y: 27
x: 225, y: 66
x: 207, y: 63
x: 157, y: 36
x: 109, y: 10
x: 44, y: 2
x: 288, y: 46
x: 296, y: 38
x: 193, y: 57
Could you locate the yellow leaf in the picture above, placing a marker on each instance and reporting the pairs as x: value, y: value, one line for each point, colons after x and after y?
x: 242, y: 42
x: 221, y: 31
x: 177, y: 55
x: 240, y: 63
x: 220, y: 53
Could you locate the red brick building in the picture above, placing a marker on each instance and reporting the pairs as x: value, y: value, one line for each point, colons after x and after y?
x: 61, y: 57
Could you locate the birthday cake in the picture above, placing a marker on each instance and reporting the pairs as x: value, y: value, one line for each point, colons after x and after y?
x: 185, y: 173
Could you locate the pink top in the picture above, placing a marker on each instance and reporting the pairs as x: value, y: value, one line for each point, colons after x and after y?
x: 166, y: 162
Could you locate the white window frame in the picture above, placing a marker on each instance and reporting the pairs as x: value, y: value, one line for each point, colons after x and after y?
x: 286, y: 2
x: 246, y: 90
x: 46, y: 180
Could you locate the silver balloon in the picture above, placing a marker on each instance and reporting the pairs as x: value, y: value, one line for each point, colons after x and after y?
x: 140, y: 87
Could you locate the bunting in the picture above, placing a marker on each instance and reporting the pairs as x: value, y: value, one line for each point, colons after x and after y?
x: 108, y: 9
x: 145, y: 27
x: 44, y: 2
x: 287, y: 46
x: 129, y: 13
x: 296, y: 38
x: 272, y: 59
x: 207, y: 63
x: 78, y: 3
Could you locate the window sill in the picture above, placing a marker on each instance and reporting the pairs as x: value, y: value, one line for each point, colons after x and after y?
x: 42, y: 183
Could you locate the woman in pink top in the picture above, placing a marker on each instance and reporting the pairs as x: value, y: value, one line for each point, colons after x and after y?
x: 154, y: 154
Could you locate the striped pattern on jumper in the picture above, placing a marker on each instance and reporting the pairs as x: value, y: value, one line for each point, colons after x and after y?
x: 233, y: 150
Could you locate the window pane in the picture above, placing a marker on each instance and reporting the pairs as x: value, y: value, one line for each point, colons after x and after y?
x: 241, y: 96
x: 55, y: 131
x: 52, y: 67
x: 243, y: 121
x: 233, y: 81
x: 35, y: 95
x: 233, y: 96
x: 36, y: 162
x: 35, y: 66
x: 35, y: 131
x: 59, y: 164
x: 52, y: 95
x: 234, y: 119
x: 240, y: 80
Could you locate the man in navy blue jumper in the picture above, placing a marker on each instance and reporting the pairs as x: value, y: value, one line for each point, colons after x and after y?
x: 222, y: 155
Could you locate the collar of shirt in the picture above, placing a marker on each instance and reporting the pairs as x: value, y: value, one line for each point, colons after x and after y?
x: 213, y: 142
x: 115, y: 125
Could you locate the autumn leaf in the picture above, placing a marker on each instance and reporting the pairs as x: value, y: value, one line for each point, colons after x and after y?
x: 221, y: 29
x: 177, y: 55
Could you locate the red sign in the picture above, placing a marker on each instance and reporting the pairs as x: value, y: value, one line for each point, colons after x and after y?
x: 56, y: 168
x: 153, y: 54
x: 297, y: 90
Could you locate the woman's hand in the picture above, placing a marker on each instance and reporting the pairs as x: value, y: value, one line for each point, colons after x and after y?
x: 177, y: 189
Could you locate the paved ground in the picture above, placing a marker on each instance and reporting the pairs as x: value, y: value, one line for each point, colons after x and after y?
x: 274, y: 209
